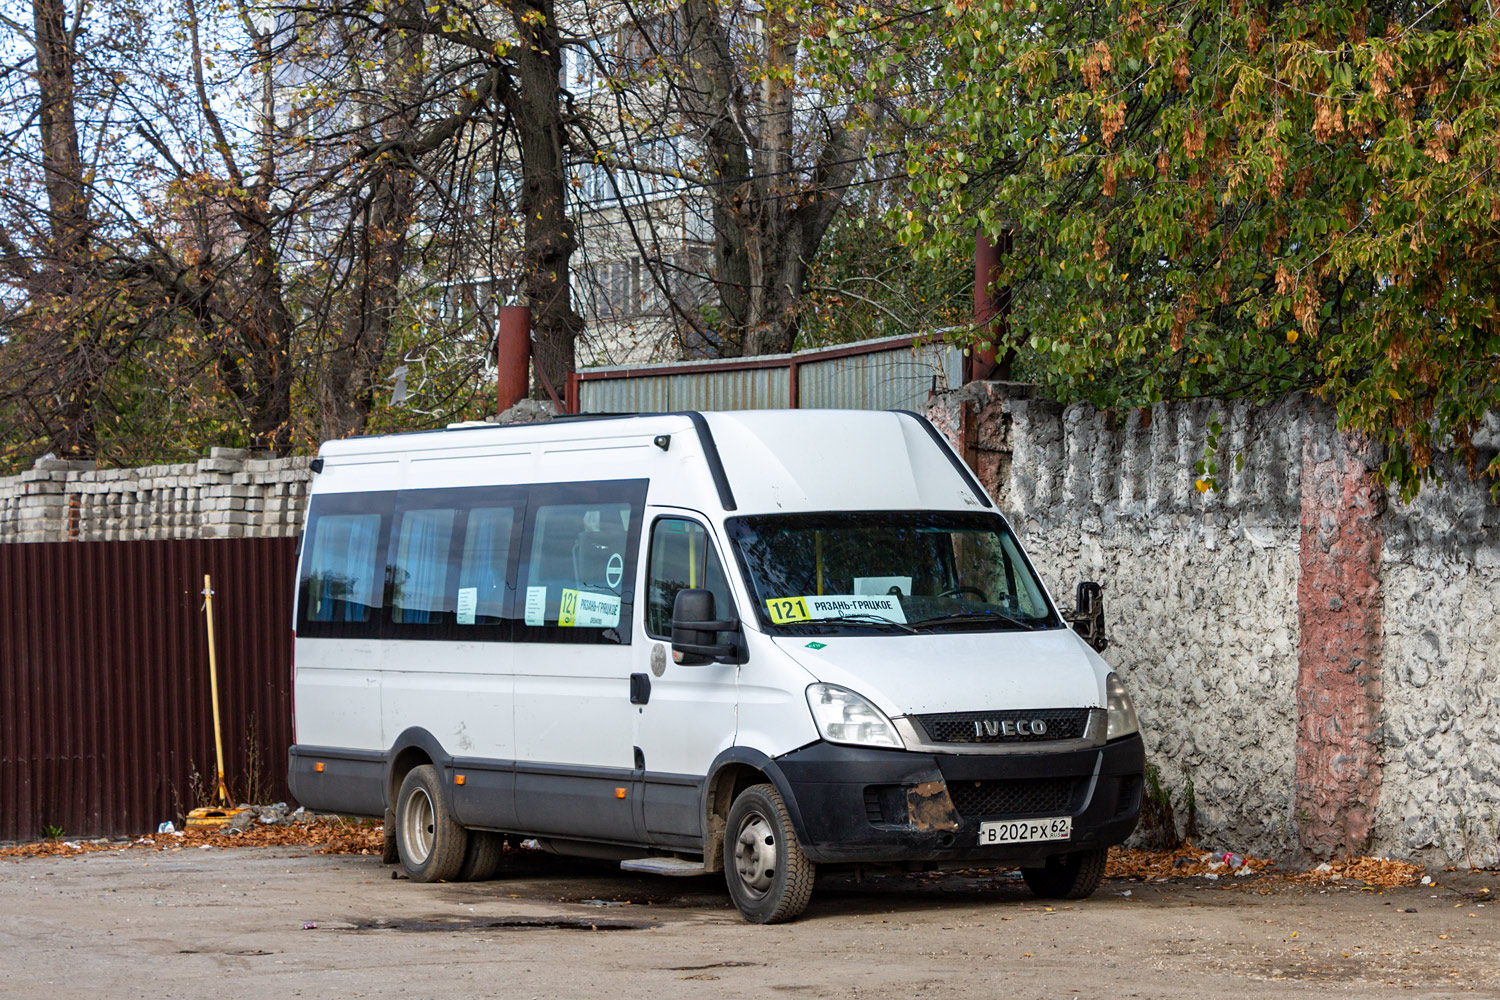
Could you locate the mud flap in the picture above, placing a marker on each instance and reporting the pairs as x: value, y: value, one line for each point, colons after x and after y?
x: 388, y: 853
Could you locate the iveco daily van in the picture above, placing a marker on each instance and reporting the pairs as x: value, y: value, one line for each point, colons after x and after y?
x: 753, y: 642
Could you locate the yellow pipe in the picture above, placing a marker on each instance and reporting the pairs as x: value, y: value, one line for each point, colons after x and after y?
x: 213, y: 685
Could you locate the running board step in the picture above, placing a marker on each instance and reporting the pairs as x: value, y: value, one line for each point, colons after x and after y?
x: 663, y: 866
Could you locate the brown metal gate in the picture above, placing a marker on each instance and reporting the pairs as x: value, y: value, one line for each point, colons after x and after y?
x: 104, y: 693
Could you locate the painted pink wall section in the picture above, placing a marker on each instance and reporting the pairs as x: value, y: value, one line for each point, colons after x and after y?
x: 1338, y: 678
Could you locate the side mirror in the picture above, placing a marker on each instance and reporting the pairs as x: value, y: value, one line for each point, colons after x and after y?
x: 1088, y: 618
x: 695, y: 631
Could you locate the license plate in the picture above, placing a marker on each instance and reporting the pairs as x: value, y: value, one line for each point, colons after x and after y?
x: 1025, y: 831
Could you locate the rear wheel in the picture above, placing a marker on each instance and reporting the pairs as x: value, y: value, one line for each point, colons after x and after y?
x: 769, y: 878
x: 1068, y: 876
x: 484, y: 857
x: 431, y: 844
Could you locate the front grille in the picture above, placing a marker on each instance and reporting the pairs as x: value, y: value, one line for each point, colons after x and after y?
x: 1031, y: 797
x: 1000, y: 726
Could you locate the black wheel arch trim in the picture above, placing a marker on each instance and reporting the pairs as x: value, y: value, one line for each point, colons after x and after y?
x: 750, y: 757
x: 414, y: 738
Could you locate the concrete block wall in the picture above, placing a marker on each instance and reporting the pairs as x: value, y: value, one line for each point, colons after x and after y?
x: 1319, y: 660
x: 232, y: 493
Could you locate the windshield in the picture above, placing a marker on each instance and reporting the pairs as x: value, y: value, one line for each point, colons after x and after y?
x: 888, y: 572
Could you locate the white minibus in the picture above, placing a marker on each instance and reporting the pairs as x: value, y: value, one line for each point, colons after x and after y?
x: 755, y: 642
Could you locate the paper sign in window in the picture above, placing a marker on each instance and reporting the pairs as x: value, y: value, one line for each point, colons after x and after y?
x: 586, y: 609
x: 811, y: 607
x: 536, y: 605
x: 468, y: 601
x: 878, y: 585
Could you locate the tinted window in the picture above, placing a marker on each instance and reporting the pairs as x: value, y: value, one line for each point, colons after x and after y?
x: 343, y: 570
x: 579, y: 575
x: 446, y: 563
x: 682, y: 555
x: 483, y: 574
x: 420, y: 593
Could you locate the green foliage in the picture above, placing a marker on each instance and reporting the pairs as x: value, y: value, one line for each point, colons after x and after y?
x: 863, y: 284
x: 1224, y: 199
x: 52, y: 831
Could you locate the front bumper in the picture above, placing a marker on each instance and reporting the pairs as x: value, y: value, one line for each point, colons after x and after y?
x: 868, y: 805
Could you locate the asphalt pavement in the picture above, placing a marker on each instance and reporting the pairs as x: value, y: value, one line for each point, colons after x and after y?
x: 276, y: 923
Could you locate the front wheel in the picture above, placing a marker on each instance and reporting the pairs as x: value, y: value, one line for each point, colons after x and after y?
x: 770, y: 879
x: 1068, y: 876
x: 431, y: 843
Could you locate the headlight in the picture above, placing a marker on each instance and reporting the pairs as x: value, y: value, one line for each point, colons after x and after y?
x: 845, y: 717
x: 1122, y: 718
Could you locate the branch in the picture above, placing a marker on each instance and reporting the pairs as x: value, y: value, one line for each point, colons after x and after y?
x: 213, y: 118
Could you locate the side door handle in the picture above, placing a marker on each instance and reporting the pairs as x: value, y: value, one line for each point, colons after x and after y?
x: 640, y: 689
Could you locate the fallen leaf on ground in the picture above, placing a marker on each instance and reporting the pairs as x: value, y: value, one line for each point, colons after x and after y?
x: 329, y: 835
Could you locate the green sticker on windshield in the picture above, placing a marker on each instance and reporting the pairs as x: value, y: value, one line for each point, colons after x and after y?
x: 816, y: 645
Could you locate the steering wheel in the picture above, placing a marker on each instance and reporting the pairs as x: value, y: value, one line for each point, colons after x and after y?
x: 956, y: 591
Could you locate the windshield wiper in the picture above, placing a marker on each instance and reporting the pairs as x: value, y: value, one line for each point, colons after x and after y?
x: 969, y: 616
x: 859, y: 619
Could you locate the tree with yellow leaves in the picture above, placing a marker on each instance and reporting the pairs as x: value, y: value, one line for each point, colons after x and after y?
x: 1220, y: 198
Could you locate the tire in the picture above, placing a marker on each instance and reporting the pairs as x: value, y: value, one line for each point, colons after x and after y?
x: 430, y: 842
x: 1068, y: 876
x: 769, y: 878
x: 484, y: 857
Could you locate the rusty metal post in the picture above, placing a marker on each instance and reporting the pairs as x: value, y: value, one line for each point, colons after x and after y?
x: 513, y: 356
x: 991, y: 310
x: 986, y: 263
x: 571, y: 393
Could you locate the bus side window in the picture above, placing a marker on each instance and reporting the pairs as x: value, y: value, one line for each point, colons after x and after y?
x: 419, y: 572
x: 484, y: 571
x: 344, y: 578
x: 576, y: 580
x: 577, y: 550
x: 682, y: 556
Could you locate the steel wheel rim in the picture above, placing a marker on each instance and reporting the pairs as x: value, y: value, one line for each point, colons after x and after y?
x: 418, y: 826
x: 755, y: 851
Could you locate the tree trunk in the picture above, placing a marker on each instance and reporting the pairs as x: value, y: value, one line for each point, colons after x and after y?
x: 768, y: 222
x: 711, y: 102
x: 62, y: 280
x: 255, y: 360
x: 354, y: 370
x: 62, y: 165
x: 550, y: 239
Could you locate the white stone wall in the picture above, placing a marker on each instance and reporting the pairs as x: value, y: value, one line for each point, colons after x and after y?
x: 1201, y: 595
x: 1440, y: 666
x: 230, y: 494
x: 1200, y: 592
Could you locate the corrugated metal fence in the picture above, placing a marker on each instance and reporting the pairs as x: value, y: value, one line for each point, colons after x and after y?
x: 890, y: 373
x: 104, y: 693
